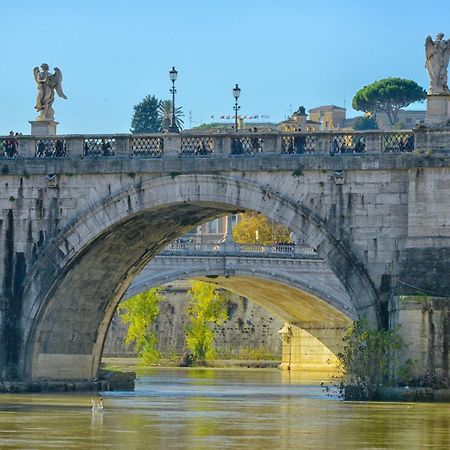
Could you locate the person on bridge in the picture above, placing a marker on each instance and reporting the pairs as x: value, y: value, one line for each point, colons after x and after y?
x: 255, y: 142
x: 335, y: 148
x: 299, y: 142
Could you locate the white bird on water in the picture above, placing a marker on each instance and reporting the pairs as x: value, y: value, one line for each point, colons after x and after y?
x: 97, y: 407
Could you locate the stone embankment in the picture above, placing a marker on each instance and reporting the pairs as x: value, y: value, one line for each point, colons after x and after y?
x: 422, y: 394
x: 14, y: 387
x: 109, y: 381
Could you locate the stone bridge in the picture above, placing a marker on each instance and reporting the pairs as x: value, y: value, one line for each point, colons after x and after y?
x: 292, y: 282
x: 83, y: 215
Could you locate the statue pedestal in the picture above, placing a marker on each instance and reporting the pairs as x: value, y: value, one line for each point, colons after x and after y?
x: 43, y: 127
x: 438, y: 109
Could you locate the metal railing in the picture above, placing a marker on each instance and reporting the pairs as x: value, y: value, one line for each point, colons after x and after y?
x: 9, y: 147
x: 99, y: 146
x: 197, y: 146
x: 50, y: 148
x: 298, y: 143
x: 233, y: 249
x: 147, y: 146
x: 246, y: 144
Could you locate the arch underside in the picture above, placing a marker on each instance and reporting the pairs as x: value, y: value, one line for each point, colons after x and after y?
x: 96, y: 259
x: 313, y: 300
x: 81, y: 308
x: 297, y: 291
x: 298, y: 307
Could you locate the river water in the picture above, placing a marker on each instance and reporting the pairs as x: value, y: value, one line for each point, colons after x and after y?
x: 219, y: 409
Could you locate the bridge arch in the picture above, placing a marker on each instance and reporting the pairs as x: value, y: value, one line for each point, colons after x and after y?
x: 71, y: 292
x: 309, y: 283
x: 308, y: 296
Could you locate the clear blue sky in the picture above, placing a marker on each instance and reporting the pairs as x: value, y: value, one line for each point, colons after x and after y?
x: 112, y: 53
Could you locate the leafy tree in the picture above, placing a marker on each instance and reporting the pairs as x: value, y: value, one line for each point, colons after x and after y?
x: 145, y: 117
x: 208, y: 126
x: 400, y: 126
x: 388, y: 95
x: 254, y: 228
x: 207, y: 307
x: 165, y: 115
x: 365, y: 123
x: 139, y: 312
x: 365, y: 360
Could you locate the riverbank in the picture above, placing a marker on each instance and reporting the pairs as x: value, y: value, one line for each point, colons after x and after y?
x: 21, y: 387
x: 120, y: 377
x: 135, y: 364
x: 411, y: 394
x: 119, y: 374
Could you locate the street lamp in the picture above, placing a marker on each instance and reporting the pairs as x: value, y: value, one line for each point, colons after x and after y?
x: 236, y: 94
x: 173, y: 125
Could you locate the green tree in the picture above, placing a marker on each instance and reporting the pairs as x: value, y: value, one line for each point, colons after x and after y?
x: 365, y: 123
x: 388, y: 96
x: 207, y: 307
x: 165, y: 115
x: 208, y: 126
x: 145, y: 117
x: 365, y: 359
x: 139, y: 312
x: 254, y: 228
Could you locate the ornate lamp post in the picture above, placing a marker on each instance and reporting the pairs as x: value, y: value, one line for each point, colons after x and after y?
x: 236, y: 94
x: 173, y: 125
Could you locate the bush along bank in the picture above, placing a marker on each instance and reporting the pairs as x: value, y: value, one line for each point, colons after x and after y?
x: 367, y: 374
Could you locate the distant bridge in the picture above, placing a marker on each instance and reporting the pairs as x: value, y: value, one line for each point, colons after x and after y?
x: 289, y: 280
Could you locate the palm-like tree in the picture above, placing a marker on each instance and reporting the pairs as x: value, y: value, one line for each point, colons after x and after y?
x: 165, y: 115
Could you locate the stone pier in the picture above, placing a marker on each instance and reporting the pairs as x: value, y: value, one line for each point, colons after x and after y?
x: 304, y: 352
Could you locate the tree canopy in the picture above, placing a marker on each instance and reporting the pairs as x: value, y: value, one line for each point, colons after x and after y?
x: 207, y: 307
x: 139, y: 312
x: 388, y: 95
x: 146, y: 118
x: 254, y: 228
x: 152, y: 115
x: 165, y: 115
x: 365, y: 123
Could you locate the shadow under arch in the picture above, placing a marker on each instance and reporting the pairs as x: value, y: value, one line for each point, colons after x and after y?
x: 71, y: 292
x: 320, y: 297
x: 299, y: 302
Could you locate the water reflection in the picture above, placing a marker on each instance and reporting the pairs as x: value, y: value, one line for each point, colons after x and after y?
x: 203, y: 409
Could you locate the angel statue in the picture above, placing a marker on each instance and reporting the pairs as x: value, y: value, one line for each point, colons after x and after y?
x: 47, y: 83
x: 437, y: 54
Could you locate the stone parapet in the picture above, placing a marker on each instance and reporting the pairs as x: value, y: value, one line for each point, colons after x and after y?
x: 438, y: 109
x: 430, y: 140
x: 211, y: 145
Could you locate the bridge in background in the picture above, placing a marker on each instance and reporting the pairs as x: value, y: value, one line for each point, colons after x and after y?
x: 290, y: 281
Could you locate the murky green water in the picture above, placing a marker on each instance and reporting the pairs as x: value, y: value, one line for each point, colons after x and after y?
x: 219, y: 409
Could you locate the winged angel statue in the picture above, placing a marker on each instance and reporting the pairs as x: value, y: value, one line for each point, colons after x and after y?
x: 437, y: 54
x: 47, y: 84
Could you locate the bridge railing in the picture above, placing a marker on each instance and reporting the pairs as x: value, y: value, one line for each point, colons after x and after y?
x: 233, y: 249
x: 233, y: 144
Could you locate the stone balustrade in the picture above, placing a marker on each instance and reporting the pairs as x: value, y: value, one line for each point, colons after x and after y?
x: 232, y: 249
x: 213, y: 144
